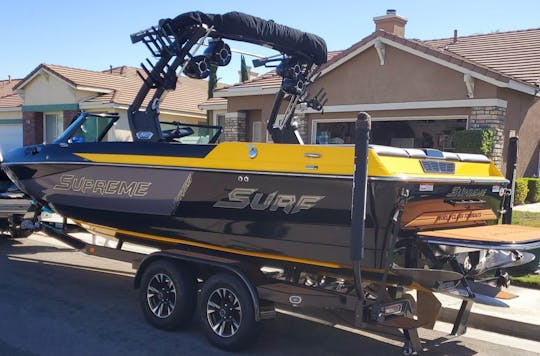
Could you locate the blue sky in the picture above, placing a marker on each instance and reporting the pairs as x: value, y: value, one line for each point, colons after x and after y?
x: 95, y: 34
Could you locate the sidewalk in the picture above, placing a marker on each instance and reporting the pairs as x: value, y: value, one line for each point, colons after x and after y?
x: 521, y: 319
x: 533, y: 208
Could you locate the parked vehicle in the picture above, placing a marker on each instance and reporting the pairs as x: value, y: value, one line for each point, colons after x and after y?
x: 255, y: 225
x: 14, y: 204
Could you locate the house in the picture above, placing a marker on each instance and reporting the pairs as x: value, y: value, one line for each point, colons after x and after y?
x: 419, y: 93
x: 10, y: 116
x: 52, y: 95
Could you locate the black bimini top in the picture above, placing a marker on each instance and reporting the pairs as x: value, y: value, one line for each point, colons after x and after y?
x: 247, y: 28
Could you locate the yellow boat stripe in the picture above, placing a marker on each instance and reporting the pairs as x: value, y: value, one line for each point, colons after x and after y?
x: 300, y: 159
x: 235, y: 156
x: 104, y: 231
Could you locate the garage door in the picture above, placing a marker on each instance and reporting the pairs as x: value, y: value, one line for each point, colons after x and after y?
x: 11, y: 136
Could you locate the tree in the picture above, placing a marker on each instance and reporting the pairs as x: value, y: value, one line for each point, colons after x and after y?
x: 212, y: 80
x: 244, y: 72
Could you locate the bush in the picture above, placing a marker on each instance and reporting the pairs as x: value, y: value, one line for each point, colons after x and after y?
x: 474, y: 141
x: 521, y: 191
x: 534, y: 190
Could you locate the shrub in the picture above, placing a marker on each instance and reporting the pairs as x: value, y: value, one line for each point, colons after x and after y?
x: 474, y: 141
x: 534, y: 190
x: 521, y: 190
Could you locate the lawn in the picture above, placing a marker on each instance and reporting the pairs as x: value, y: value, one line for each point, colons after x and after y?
x: 526, y: 218
x: 530, y: 280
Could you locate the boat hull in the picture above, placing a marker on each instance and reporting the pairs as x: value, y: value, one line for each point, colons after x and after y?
x: 274, y: 215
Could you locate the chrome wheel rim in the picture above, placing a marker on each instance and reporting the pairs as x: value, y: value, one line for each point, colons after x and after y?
x: 224, y: 312
x: 161, y: 295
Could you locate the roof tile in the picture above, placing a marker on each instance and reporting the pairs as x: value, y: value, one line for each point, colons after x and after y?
x: 8, y: 98
x: 124, y: 82
x: 514, y: 53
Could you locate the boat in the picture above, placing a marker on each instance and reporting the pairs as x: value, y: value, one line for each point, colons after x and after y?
x: 15, y: 207
x: 421, y: 217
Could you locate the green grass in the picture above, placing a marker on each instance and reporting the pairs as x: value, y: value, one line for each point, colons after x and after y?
x: 529, y: 280
x: 526, y: 218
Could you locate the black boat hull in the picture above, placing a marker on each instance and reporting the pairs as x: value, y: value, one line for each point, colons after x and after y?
x: 280, y: 216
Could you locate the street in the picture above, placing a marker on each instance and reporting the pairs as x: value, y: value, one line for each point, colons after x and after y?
x: 57, y: 301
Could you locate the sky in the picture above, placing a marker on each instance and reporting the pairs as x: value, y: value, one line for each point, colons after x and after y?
x: 95, y: 34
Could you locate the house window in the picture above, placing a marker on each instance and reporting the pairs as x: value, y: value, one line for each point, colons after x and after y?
x: 219, y: 120
x: 256, y: 133
x: 92, y: 130
x: 336, y: 132
x: 408, y: 132
x: 54, y: 126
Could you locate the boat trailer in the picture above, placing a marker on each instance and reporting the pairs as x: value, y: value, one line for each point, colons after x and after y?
x: 376, y: 301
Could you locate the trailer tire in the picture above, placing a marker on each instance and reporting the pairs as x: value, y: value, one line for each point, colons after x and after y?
x: 168, y: 295
x: 17, y: 233
x: 227, y: 313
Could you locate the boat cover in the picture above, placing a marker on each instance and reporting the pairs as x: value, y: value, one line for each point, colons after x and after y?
x: 489, y: 236
x: 247, y: 28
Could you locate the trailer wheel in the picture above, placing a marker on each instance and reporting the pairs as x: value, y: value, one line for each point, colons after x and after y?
x: 227, y: 313
x: 15, y: 229
x: 168, y: 295
x: 17, y: 232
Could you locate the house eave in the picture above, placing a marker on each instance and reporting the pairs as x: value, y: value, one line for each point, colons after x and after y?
x: 100, y: 106
x: 12, y: 109
x: 42, y: 71
x: 116, y: 106
x: 410, y: 105
x: 94, y: 89
x: 509, y: 83
x: 212, y: 106
x: 230, y: 92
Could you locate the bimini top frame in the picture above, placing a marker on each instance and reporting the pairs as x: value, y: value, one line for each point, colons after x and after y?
x: 173, y: 40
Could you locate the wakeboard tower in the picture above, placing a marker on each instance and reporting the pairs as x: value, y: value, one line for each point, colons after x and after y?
x: 312, y: 226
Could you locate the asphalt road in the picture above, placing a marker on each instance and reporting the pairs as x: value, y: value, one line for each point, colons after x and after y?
x: 56, y: 301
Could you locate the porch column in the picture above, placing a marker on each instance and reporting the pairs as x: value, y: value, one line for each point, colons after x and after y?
x: 32, y: 127
x: 491, y: 117
x: 235, y: 128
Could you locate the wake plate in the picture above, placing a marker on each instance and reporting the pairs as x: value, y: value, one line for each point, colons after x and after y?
x: 477, y: 298
x: 490, y: 291
x: 427, y: 277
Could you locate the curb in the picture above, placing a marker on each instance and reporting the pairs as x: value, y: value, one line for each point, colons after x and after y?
x: 508, y: 327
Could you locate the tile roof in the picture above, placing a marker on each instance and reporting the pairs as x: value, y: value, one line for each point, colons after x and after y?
x: 268, y: 80
x: 419, y: 46
x: 514, y: 53
x: 214, y: 101
x: 8, y: 98
x: 120, y: 86
x: 11, y: 101
x: 501, y: 55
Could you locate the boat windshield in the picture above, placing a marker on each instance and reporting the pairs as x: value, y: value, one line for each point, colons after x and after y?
x: 88, y: 127
x: 189, y: 133
x: 92, y: 127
